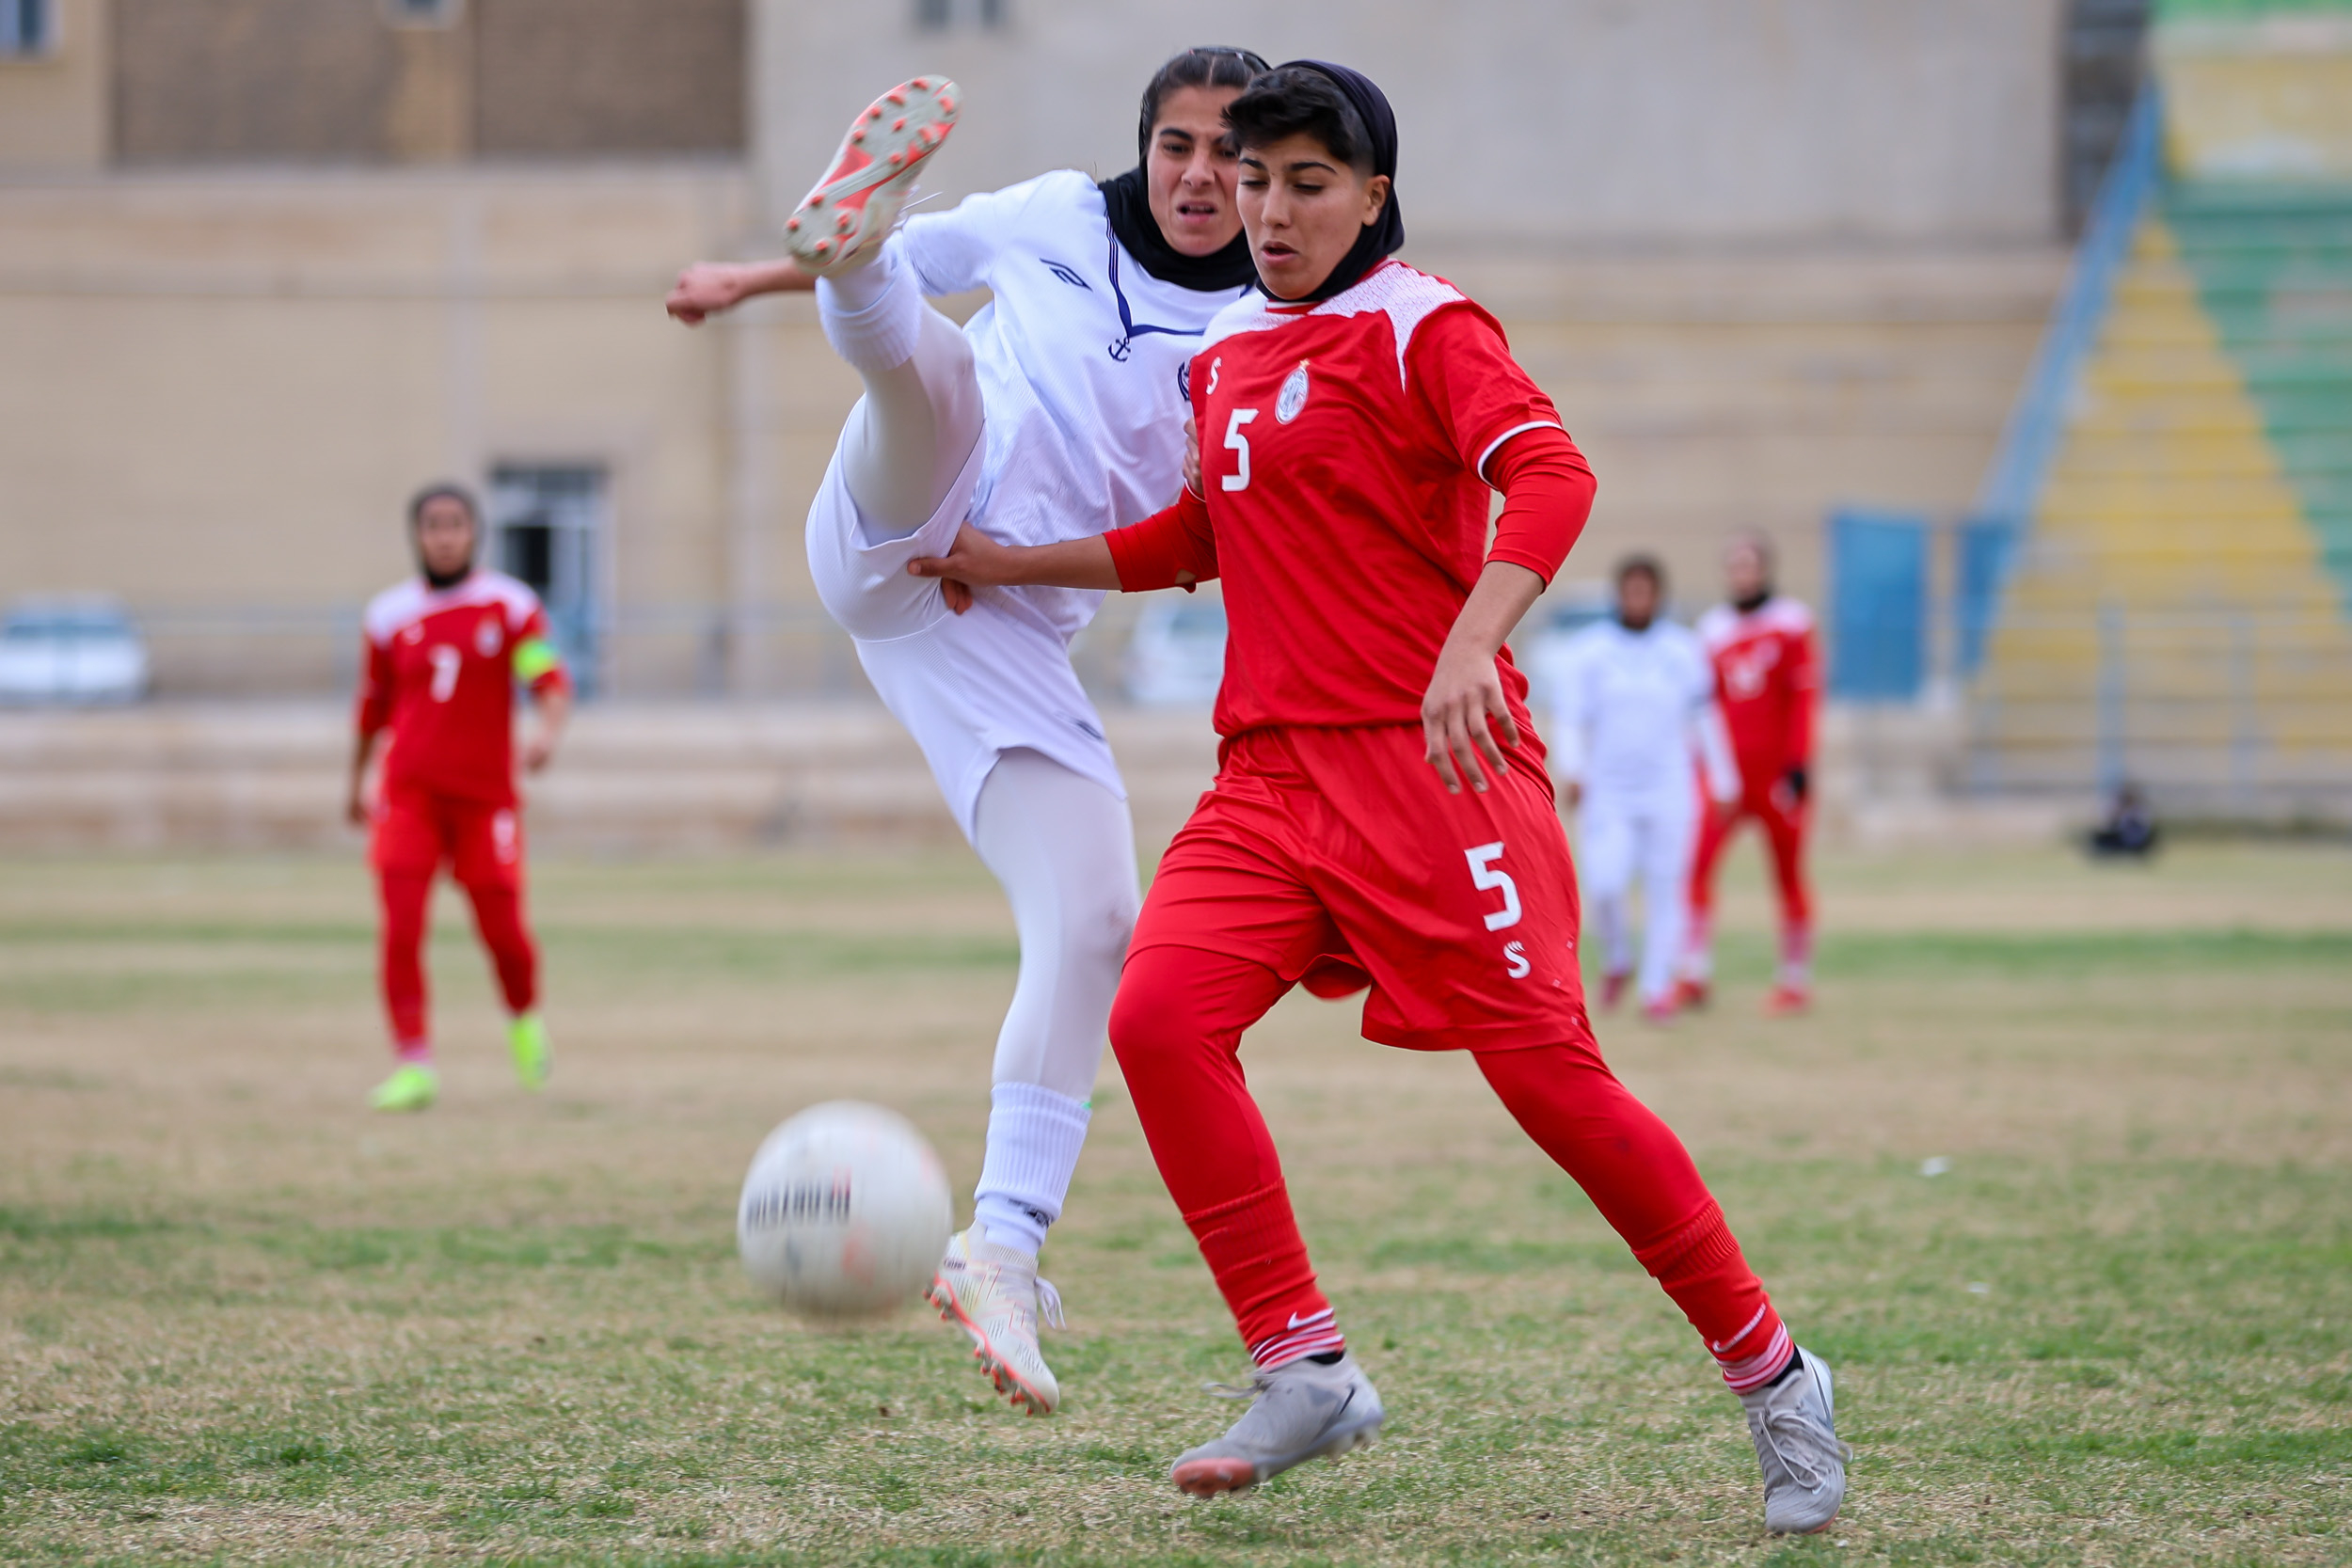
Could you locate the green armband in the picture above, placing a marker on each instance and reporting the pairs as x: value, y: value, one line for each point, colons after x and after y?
x: 535, y: 657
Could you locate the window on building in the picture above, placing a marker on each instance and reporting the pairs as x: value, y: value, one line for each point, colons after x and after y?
x: 27, y: 27
x: 936, y: 16
x: 422, y: 13
x: 547, y: 528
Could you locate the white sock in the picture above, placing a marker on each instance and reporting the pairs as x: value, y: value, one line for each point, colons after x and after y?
x: 873, y: 313
x: 1034, y: 1137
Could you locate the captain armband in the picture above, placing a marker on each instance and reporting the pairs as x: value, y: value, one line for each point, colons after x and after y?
x: 535, y: 656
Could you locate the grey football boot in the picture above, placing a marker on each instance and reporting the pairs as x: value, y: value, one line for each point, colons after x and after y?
x: 1299, y: 1411
x: 1794, y: 1425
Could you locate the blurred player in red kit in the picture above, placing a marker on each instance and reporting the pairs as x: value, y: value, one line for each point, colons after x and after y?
x: 444, y: 652
x: 1768, y: 682
x: 1381, y: 818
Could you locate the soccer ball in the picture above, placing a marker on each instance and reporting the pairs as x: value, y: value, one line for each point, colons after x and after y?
x: 845, y: 1212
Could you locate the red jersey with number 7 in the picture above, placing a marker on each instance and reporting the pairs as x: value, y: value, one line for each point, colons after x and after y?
x: 1343, y: 452
x: 441, y: 669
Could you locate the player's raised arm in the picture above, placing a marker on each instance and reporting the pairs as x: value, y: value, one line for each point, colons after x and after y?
x: 708, y: 288
x: 1172, y: 548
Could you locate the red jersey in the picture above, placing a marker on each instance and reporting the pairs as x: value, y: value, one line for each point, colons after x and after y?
x: 1768, y: 679
x: 440, y: 670
x: 1343, y: 451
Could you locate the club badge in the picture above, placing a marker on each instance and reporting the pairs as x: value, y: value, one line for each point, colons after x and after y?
x: 487, y: 636
x: 1293, y: 396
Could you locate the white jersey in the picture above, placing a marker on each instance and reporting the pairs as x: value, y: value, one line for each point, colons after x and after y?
x: 1634, y: 712
x: 1082, y: 357
x: 1081, y: 360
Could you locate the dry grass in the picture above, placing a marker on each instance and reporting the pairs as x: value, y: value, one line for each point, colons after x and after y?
x: 241, y: 1319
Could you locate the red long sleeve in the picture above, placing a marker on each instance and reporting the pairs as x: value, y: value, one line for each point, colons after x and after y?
x: 1175, y: 547
x: 1546, y: 496
x: 374, y: 708
x: 1804, y: 696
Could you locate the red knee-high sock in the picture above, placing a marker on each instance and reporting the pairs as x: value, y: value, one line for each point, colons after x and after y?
x: 1641, y: 1179
x: 404, y: 897
x: 1177, y: 1028
x: 498, y: 914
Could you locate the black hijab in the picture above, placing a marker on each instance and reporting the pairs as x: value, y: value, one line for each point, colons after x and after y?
x: 1384, y: 236
x: 1128, y: 204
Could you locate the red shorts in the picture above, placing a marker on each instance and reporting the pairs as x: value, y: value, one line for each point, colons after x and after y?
x: 1336, y: 857
x: 417, y: 831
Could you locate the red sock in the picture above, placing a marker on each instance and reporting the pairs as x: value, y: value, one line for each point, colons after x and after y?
x: 497, y: 914
x: 403, y: 896
x: 1177, y: 1028
x: 1641, y: 1179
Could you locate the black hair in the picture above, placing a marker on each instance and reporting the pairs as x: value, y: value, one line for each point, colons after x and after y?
x: 445, y: 491
x: 1293, y: 101
x: 1202, y: 66
x: 1644, y: 566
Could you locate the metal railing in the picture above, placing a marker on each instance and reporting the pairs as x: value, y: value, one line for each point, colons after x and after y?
x: 2228, y: 711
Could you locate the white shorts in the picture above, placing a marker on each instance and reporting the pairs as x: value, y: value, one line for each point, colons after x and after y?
x: 968, y: 688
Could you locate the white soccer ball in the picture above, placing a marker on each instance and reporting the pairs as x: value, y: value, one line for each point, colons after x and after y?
x: 845, y: 1211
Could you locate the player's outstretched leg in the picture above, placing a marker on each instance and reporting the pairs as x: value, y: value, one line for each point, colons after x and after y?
x: 906, y: 440
x: 1642, y: 1180
x: 413, y: 1084
x: 1177, y: 1027
x: 1063, y: 848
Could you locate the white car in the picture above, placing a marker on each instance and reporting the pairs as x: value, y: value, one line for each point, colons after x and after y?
x: 70, y: 652
x: 1176, y: 658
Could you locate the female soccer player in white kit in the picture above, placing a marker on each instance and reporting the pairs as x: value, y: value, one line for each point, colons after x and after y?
x: 1634, y: 712
x: 1056, y: 414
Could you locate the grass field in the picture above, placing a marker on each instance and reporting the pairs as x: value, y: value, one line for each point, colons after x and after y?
x: 241, y: 1319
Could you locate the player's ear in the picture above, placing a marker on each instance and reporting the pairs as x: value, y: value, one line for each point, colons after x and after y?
x: 1376, y: 197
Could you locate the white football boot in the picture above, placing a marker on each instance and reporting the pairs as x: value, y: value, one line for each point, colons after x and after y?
x: 1299, y: 1411
x: 993, y: 1295
x: 1794, y: 1425
x: 872, y: 175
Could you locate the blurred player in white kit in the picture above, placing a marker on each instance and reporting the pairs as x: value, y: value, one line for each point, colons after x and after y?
x: 1057, y: 413
x: 1635, y: 730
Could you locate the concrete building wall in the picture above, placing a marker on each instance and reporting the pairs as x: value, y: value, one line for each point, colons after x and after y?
x: 336, y: 81
x: 53, y: 108
x: 220, y: 390
x: 1588, y: 122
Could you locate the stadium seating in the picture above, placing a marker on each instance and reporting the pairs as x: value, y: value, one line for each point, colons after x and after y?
x: 2179, y: 611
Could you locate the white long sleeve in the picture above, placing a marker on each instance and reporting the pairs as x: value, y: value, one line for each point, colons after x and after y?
x: 1716, y: 765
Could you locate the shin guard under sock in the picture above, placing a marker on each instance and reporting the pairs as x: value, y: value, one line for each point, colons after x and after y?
x: 872, y: 314
x: 1034, y: 1137
x: 1253, y: 1248
x: 1701, y: 1267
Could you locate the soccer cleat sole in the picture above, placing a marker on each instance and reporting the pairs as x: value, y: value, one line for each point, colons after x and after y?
x: 889, y: 140
x: 1019, y: 1392
x: 1214, y: 1478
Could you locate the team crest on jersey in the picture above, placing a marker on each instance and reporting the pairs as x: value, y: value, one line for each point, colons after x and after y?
x: 1293, y: 397
x: 487, y: 636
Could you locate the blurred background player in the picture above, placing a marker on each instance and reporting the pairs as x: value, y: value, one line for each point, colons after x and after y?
x: 1356, y: 420
x: 444, y: 652
x: 1767, y: 681
x: 1635, y: 733
x: 1059, y: 412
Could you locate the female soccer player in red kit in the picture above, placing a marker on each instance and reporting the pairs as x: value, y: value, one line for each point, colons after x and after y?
x: 1767, y: 681
x: 1381, y: 815
x: 444, y: 652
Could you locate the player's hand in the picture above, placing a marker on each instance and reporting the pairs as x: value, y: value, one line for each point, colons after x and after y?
x: 1573, y: 793
x: 538, y: 751
x: 706, y: 289
x: 1192, y: 456
x: 974, y: 560
x: 1458, y: 715
x: 356, y: 807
